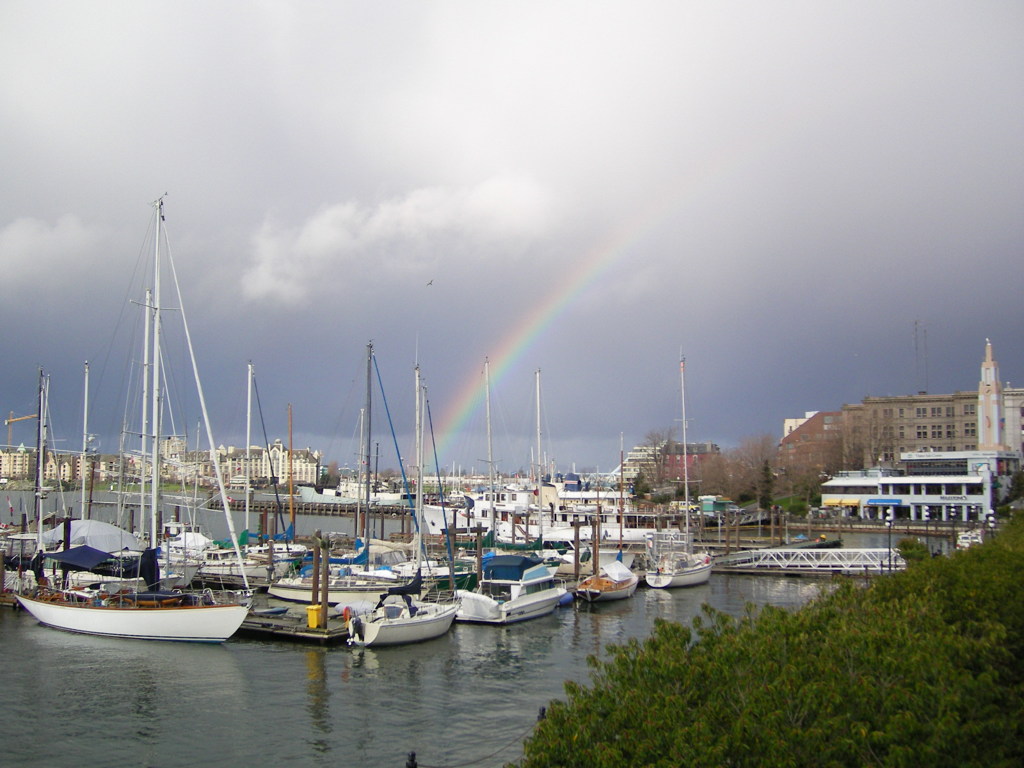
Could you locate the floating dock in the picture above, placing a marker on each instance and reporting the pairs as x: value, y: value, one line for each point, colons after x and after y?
x: 292, y: 626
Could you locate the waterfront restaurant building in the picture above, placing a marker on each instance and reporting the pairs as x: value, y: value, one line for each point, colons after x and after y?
x: 953, y: 486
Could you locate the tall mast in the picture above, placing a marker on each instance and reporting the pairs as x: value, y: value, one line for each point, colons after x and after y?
x: 622, y: 500
x: 147, y: 339
x: 369, y: 399
x: 540, y: 511
x: 85, y: 434
x: 418, y: 507
x: 686, y: 462
x: 248, y: 445
x: 291, y: 478
x: 490, y: 451
x: 155, y: 388
x: 41, y: 457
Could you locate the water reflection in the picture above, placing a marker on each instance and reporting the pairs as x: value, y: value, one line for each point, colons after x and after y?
x: 318, y: 694
x: 118, y: 699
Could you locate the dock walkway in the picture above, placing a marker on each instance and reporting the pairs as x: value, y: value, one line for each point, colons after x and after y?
x: 800, y: 561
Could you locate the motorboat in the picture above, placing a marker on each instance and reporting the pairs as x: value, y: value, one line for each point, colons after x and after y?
x: 512, y: 588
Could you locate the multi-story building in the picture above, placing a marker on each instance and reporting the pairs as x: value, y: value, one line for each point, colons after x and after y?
x: 181, y: 465
x: 815, y: 443
x: 16, y: 463
x: 949, y: 457
x: 955, y: 485
x: 880, y: 430
x: 663, y: 462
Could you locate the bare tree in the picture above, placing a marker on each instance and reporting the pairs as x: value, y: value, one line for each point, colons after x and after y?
x: 655, y: 442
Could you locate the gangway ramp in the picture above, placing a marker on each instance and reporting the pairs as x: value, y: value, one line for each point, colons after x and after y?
x: 801, y: 561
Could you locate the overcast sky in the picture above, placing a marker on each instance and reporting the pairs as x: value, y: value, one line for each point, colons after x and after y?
x: 813, y: 202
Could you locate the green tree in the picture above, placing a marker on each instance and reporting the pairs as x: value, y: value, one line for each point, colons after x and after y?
x: 1016, y: 490
x: 640, y: 485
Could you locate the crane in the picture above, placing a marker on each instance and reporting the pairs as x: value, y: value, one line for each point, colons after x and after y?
x: 11, y: 419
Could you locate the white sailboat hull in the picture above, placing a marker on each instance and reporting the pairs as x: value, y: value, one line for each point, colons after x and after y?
x: 353, y: 594
x: 431, y: 620
x: 195, y: 624
x: 689, y: 576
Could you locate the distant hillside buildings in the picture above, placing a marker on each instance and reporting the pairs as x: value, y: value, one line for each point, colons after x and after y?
x: 181, y: 465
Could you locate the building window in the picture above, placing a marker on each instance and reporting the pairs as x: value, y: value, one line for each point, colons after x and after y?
x: 950, y: 430
x: 887, y: 413
x: 902, y: 430
x: 936, y: 430
x: 936, y: 411
x: 970, y: 430
x: 903, y: 409
x: 970, y: 409
x: 921, y: 413
x: 922, y: 433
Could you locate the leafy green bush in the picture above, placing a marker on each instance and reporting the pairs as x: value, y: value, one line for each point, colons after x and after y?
x: 923, y: 667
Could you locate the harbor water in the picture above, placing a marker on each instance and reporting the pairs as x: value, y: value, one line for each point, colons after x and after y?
x: 468, y: 698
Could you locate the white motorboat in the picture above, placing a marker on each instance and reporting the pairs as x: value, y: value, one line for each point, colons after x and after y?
x: 513, y: 588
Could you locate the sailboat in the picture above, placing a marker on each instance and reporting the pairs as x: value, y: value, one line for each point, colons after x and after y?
x: 673, y: 561
x: 352, y: 583
x: 399, y: 618
x: 149, y: 614
x: 614, y: 582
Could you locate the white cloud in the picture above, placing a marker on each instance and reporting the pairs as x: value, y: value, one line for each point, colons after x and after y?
x: 397, y: 237
x: 32, y: 249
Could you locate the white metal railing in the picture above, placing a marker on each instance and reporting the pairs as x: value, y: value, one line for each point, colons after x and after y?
x: 832, y: 560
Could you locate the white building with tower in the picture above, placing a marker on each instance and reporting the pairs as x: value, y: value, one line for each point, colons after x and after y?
x: 938, y: 485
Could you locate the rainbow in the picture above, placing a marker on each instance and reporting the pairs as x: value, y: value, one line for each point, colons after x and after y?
x: 717, y: 166
x: 594, y: 264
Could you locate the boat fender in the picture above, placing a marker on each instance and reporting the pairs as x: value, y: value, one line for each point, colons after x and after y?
x: 346, y: 614
x: 707, y: 559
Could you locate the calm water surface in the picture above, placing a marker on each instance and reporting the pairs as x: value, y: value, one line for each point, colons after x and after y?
x: 465, y: 699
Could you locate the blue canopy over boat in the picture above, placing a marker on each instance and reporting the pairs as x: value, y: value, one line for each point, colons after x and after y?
x: 83, y: 558
x: 508, y: 567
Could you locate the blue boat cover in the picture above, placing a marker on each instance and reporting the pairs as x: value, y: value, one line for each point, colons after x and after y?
x: 83, y: 558
x: 508, y: 567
